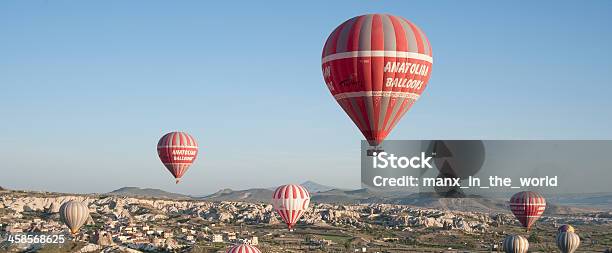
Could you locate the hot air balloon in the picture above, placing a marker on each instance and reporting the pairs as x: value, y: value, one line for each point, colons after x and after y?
x: 566, y: 228
x: 376, y: 66
x: 74, y: 214
x: 515, y: 244
x: 568, y: 242
x: 527, y: 206
x: 243, y: 248
x: 177, y: 150
x: 290, y: 202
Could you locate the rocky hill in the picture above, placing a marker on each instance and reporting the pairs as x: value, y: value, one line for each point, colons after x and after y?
x: 260, y: 194
x: 146, y: 192
x: 593, y: 200
x: 561, y: 204
x: 314, y: 187
x: 250, y: 195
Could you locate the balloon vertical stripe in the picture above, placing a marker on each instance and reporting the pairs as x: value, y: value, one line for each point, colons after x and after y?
x: 243, y: 248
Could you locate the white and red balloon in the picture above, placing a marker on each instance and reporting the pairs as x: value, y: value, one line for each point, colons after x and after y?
x: 290, y: 202
x: 177, y: 151
x: 376, y: 66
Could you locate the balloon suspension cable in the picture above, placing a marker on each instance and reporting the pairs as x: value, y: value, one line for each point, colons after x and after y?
x: 378, y: 147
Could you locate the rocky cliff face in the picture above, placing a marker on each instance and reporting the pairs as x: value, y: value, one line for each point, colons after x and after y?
x: 102, y: 238
x: 348, y: 215
x: 256, y: 213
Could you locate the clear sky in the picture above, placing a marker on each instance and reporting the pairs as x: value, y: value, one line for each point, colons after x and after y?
x: 88, y: 87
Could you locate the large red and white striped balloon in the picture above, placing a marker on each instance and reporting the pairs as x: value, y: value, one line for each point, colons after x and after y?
x: 290, y: 202
x: 243, y: 248
x: 527, y: 206
x: 177, y: 150
x: 376, y: 66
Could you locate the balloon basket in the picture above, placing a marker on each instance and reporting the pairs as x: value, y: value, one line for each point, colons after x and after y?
x: 374, y: 151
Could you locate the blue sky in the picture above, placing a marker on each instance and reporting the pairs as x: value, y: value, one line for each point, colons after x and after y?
x: 87, y: 88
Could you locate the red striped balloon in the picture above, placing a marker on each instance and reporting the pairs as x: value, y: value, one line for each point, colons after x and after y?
x: 290, y: 202
x: 527, y: 206
x: 177, y: 150
x: 376, y: 66
x: 243, y: 248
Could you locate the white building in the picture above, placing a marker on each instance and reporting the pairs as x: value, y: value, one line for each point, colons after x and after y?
x: 217, y: 238
x: 254, y: 241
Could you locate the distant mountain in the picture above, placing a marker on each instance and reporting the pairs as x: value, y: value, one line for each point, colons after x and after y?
x: 313, y: 187
x: 259, y: 194
x: 557, y: 205
x: 593, y: 200
x: 2, y: 189
x: 347, y: 196
x: 146, y: 192
x: 431, y: 200
x: 425, y: 200
x: 250, y: 195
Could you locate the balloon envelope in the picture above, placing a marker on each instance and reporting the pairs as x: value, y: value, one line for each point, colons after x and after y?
x: 74, y: 214
x: 568, y: 242
x: 566, y: 228
x: 376, y: 66
x: 515, y: 244
x: 243, y: 248
x: 177, y: 151
x: 290, y: 202
x: 527, y: 206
